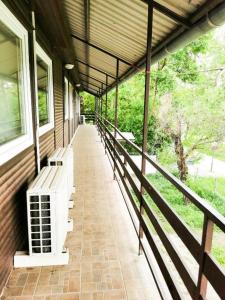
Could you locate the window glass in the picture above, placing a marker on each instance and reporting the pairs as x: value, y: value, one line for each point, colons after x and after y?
x: 11, y: 98
x: 71, y: 100
x: 66, y: 98
x: 43, y: 101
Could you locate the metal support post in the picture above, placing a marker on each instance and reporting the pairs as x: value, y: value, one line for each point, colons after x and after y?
x: 116, y: 113
x: 146, y: 105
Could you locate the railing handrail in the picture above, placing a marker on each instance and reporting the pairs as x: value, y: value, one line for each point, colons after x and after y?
x: 199, y: 250
x: 201, y: 203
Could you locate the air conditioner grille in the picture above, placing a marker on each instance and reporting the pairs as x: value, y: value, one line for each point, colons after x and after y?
x: 56, y: 163
x: 40, y: 228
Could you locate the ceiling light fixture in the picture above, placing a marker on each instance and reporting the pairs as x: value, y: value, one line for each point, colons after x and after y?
x: 69, y: 66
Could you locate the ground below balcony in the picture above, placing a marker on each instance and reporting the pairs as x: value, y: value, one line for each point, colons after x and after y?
x: 104, y: 264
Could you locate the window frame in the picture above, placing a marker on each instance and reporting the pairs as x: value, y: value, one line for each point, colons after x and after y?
x: 66, y: 98
x: 48, y: 61
x: 12, y: 148
x: 71, y: 100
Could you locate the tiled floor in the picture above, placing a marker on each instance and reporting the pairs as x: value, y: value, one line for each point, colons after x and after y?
x: 104, y: 264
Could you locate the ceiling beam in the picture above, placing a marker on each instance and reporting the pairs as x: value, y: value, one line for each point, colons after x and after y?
x: 85, y: 85
x: 87, y: 91
x: 96, y: 69
x: 82, y: 74
x: 90, y: 83
x: 102, y: 50
x: 169, y: 13
x: 86, y: 5
x: 53, y: 22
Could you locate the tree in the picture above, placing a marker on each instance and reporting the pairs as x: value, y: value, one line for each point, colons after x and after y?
x: 88, y: 102
x: 193, y: 117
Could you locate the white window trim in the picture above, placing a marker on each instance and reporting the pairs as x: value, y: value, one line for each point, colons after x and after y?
x: 50, y: 125
x: 66, y: 98
x: 71, y: 101
x: 14, y: 147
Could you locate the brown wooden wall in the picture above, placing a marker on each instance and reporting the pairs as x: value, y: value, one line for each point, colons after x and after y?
x: 58, y: 98
x: 66, y: 132
x: 47, y: 146
x: 14, y: 179
x: 16, y: 174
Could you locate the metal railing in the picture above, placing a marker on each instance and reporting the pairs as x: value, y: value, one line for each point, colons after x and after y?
x: 208, y: 269
x: 89, y: 117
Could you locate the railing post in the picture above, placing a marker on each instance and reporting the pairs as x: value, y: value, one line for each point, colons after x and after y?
x: 96, y: 110
x: 101, y: 104
x: 116, y: 114
x: 146, y: 104
x: 106, y: 98
x: 206, y: 245
x: 106, y: 106
x: 101, y: 114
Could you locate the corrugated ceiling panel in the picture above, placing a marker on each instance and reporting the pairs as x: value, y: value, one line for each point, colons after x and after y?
x: 182, y: 7
x: 92, y: 81
x: 119, y: 27
x: 75, y: 12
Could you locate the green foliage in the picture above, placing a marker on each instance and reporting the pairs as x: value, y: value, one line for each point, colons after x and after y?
x: 43, y: 107
x: 11, y: 111
x: 88, y: 102
x: 219, y: 254
x: 184, y: 62
x: 189, y: 213
x: 205, y: 188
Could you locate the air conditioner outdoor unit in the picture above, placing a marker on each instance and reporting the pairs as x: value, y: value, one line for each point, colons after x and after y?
x: 82, y: 119
x: 47, y: 214
x: 64, y: 157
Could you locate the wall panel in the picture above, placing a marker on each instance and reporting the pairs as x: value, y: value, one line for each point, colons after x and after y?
x: 59, y: 101
x: 66, y: 132
x: 15, y: 177
x: 47, y: 146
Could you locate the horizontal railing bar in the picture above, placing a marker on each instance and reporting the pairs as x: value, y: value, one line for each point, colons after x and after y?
x: 174, y: 220
x: 131, y: 181
x: 162, y: 264
x: 215, y: 275
x: 126, y: 188
x: 154, y: 248
x: 210, y: 211
x: 202, y: 204
x: 138, y: 216
x: 211, y: 270
x: 184, y: 273
x: 177, y: 224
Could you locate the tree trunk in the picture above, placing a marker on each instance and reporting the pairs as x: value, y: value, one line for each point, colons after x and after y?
x: 181, y: 160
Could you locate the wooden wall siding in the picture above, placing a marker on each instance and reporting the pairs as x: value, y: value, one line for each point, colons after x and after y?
x: 59, y: 101
x: 16, y: 174
x: 13, y: 221
x: 66, y: 133
x: 47, y: 146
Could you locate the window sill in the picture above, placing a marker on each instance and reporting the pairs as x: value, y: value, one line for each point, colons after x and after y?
x: 13, y: 148
x: 45, y: 128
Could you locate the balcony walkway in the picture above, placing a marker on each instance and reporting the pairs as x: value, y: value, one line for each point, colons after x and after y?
x: 104, y: 264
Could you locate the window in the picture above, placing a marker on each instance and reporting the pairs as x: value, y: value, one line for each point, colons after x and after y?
x: 66, y: 99
x: 15, y: 105
x: 71, y: 102
x: 45, y: 91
